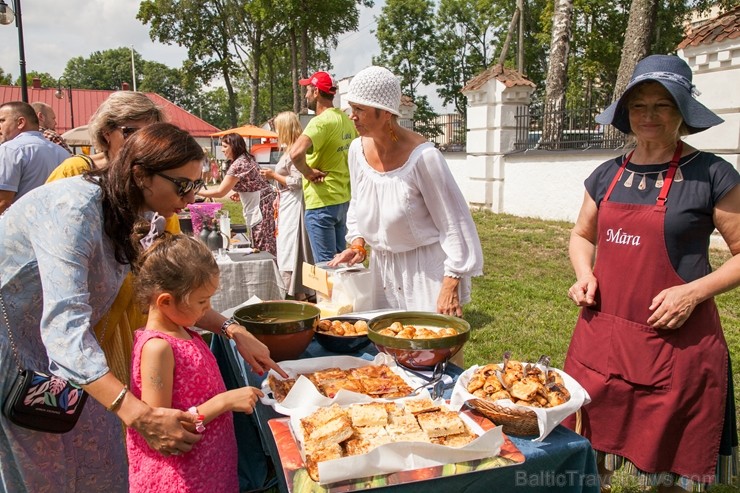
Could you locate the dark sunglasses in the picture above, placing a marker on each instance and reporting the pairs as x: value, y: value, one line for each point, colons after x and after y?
x: 183, y: 185
x: 128, y: 131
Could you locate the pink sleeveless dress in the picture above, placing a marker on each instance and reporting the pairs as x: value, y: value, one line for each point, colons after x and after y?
x: 211, y: 464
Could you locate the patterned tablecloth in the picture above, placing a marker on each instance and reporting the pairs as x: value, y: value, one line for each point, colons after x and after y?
x: 250, y: 275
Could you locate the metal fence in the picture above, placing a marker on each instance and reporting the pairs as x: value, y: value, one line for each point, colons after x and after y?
x: 448, y: 132
x: 562, y: 129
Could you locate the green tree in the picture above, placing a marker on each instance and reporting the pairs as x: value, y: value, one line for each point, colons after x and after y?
x: 406, y: 35
x: 46, y: 79
x: 469, y: 32
x: 205, y: 28
x: 107, y: 69
x: 5, y: 79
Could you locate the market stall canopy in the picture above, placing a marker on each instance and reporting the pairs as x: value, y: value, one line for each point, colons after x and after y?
x: 78, y: 136
x: 249, y: 131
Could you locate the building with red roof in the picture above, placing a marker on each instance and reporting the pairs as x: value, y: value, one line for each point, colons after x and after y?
x: 77, y: 110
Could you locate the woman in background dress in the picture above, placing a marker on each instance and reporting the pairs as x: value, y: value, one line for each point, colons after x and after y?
x: 256, y: 193
x: 293, y: 246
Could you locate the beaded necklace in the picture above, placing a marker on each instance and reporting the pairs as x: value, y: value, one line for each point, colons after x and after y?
x: 659, y: 181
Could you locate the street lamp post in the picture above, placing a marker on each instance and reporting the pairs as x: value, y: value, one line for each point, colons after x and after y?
x: 60, y: 95
x: 6, y: 17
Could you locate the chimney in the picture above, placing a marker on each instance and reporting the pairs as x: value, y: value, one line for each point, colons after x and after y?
x: 124, y: 86
x: 36, y: 83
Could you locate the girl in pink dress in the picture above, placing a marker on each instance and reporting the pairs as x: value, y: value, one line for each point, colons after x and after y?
x: 173, y: 367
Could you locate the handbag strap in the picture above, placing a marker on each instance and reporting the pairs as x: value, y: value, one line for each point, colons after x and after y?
x: 12, y: 341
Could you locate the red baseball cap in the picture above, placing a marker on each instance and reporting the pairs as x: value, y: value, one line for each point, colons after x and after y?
x: 322, y: 81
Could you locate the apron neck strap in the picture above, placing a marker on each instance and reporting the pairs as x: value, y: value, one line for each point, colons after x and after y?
x: 666, y: 184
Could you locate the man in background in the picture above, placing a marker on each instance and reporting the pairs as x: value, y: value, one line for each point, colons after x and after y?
x: 26, y: 157
x: 48, y: 124
x: 320, y: 154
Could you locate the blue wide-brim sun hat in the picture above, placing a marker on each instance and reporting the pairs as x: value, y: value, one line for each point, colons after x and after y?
x: 675, y: 75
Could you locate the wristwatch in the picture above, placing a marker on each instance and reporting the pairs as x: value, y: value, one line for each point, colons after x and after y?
x: 225, y: 325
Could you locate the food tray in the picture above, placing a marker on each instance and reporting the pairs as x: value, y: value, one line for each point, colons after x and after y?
x: 515, y: 421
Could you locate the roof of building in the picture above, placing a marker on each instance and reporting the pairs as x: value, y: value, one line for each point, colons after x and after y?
x: 84, y: 102
x: 506, y: 76
x: 725, y: 26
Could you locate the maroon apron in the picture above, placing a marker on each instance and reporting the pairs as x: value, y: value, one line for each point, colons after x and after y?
x: 657, y: 396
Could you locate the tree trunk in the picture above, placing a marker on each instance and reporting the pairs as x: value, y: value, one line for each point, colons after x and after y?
x: 231, y: 96
x: 294, y: 70
x: 637, y: 40
x: 304, y: 65
x: 557, y: 75
x: 256, y: 57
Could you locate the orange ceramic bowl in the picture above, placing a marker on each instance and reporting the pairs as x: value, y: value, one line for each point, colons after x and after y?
x: 419, y: 354
x: 285, y: 327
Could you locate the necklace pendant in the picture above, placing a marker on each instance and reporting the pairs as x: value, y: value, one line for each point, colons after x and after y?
x: 678, y: 176
x: 628, y: 181
x: 643, y: 183
x: 659, y: 181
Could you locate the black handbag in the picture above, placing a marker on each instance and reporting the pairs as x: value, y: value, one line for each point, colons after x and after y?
x: 42, y: 402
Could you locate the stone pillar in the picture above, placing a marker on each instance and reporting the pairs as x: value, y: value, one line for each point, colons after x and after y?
x: 493, y: 97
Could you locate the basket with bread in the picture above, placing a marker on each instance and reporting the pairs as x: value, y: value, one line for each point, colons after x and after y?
x: 364, y: 439
x: 527, y: 399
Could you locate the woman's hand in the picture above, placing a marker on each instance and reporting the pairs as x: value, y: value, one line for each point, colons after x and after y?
x: 583, y: 292
x: 164, y: 432
x: 672, y: 306
x: 448, y: 302
x: 234, y: 197
x: 348, y: 256
x: 254, y: 352
x: 267, y: 173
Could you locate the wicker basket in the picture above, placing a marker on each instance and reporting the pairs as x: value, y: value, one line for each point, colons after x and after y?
x: 515, y: 421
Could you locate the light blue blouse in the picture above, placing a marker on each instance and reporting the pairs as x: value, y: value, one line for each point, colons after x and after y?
x: 58, y: 276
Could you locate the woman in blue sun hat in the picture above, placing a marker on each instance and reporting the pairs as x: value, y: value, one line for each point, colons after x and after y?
x: 648, y: 345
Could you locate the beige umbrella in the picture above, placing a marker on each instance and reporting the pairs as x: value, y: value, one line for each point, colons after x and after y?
x: 77, y: 136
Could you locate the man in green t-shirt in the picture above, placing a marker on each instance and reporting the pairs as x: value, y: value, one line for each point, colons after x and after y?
x: 320, y: 154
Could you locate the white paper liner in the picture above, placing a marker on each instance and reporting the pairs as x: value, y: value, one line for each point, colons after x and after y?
x: 547, y: 418
x: 305, y: 395
x: 402, y: 456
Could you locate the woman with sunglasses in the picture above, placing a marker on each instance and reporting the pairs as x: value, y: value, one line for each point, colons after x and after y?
x: 115, y: 120
x: 255, y: 192
x: 59, y: 273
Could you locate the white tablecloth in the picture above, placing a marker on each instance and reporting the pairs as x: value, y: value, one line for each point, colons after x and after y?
x: 252, y: 275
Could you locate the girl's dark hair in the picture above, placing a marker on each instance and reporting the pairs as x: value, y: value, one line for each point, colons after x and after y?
x: 237, y: 144
x: 152, y: 149
x: 162, y: 269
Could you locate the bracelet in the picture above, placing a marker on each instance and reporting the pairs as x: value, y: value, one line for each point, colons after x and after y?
x: 360, y: 249
x: 118, y: 400
x: 199, y: 426
x: 225, y: 325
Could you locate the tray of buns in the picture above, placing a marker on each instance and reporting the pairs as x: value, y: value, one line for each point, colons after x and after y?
x: 321, y: 382
x: 365, y: 439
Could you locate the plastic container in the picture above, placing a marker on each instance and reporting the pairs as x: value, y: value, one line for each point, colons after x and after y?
x: 202, y: 211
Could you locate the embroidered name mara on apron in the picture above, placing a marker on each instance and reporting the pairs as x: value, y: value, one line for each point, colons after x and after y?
x: 657, y: 395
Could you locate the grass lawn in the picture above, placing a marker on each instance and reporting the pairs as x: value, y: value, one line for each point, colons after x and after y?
x: 520, y: 303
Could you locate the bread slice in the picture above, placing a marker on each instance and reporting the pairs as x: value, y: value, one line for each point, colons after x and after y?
x: 456, y: 441
x: 358, y: 446
x: 402, y: 424
x: 417, y: 406
x: 280, y: 388
x: 370, y: 414
x: 441, y: 423
x: 335, y: 431
x: 319, y: 418
x: 330, y: 452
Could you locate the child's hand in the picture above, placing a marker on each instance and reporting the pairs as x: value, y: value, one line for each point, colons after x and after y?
x: 244, y: 399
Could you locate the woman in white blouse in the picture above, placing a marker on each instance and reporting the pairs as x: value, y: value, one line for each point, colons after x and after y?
x: 406, y: 206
